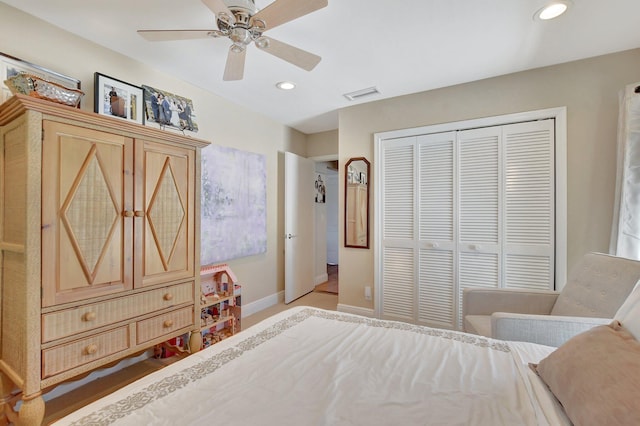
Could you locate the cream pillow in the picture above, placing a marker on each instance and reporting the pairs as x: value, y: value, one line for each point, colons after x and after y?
x: 629, y: 312
x: 596, y: 376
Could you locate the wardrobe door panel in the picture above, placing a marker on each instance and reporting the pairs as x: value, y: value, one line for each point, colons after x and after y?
x: 86, y: 238
x: 166, y: 217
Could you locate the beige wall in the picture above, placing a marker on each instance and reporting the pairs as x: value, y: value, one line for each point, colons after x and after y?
x: 219, y: 121
x: 322, y: 144
x: 588, y: 88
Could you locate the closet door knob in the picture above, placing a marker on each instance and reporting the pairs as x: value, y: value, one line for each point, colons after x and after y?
x: 128, y: 213
x: 139, y: 213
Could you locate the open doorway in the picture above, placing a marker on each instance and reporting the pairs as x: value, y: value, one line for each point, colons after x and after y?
x: 327, y: 227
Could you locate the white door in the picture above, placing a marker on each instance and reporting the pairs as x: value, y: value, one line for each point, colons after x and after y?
x: 299, y: 226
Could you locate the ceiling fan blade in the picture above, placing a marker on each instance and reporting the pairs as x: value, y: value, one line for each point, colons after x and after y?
x: 168, y: 35
x: 282, y: 11
x: 219, y: 7
x: 298, y: 57
x: 234, y: 70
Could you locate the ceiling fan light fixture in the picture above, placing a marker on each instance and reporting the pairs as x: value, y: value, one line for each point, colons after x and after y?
x: 240, y: 36
x: 552, y: 10
x: 262, y: 43
x: 237, y: 48
x: 286, y: 85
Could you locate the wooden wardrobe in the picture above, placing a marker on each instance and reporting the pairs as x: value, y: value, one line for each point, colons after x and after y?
x: 99, y: 244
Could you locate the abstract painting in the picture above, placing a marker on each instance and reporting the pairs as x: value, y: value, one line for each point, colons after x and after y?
x: 234, y: 204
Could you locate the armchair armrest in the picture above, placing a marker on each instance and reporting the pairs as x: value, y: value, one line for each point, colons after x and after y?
x: 485, y: 301
x: 547, y: 330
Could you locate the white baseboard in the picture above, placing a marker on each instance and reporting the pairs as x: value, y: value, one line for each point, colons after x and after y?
x: 322, y: 278
x: 274, y: 299
x: 264, y: 303
x: 366, y: 312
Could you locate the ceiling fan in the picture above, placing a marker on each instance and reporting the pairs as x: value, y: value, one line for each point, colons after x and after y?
x: 242, y: 23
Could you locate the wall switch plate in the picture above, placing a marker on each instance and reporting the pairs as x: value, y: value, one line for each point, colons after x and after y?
x: 367, y: 293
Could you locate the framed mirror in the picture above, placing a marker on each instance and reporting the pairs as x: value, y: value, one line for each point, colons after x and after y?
x: 356, y: 203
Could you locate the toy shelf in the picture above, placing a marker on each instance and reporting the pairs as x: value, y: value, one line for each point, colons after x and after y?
x: 208, y: 301
x: 219, y: 304
x: 216, y: 322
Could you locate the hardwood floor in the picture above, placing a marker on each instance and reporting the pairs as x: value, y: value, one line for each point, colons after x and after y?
x: 320, y: 300
x: 331, y: 285
x: 64, y: 404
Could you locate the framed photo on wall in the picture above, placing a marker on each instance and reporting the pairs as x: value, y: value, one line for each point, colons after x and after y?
x: 118, y: 98
x: 10, y: 66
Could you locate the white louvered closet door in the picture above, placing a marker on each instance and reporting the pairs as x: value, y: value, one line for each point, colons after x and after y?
x: 471, y: 208
x: 529, y: 206
x: 436, y: 206
x: 398, y: 236
x: 479, y: 209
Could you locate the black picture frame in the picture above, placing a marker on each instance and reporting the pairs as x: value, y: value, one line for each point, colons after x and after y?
x: 117, y: 98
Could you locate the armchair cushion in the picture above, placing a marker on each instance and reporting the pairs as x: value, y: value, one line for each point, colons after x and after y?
x: 478, y: 324
x: 597, y: 287
x: 479, y: 303
x: 546, y: 330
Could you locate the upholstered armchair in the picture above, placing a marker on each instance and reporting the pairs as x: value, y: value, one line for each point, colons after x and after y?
x: 595, y: 289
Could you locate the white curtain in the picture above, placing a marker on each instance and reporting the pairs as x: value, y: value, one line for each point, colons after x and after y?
x: 625, y: 233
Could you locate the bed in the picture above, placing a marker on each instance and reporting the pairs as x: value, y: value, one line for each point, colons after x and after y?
x: 308, y: 366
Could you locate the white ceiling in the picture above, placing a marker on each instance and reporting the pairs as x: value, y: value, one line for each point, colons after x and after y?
x: 399, y: 46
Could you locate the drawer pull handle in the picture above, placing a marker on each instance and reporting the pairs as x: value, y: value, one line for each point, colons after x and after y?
x: 168, y: 296
x: 89, y: 316
x: 128, y: 213
x: 168, y: 323
x: 139, y: 213
x: 91, y: 349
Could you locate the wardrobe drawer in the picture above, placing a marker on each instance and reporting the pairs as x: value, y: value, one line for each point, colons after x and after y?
x: 74, y: 354
x: 68, y: 322
x: 160, y: 325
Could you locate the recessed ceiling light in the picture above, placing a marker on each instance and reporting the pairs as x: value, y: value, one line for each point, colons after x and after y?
x: 286, y: 85
x: 552, y: 10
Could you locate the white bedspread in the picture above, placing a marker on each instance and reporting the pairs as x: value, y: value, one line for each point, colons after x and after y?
x: 308, y: 366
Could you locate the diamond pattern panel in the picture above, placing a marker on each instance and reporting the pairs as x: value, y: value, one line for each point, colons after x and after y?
x: 90, y: 203
x: 166, y: 213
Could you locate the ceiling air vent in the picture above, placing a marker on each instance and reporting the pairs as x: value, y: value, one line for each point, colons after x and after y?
x: 359, y: 94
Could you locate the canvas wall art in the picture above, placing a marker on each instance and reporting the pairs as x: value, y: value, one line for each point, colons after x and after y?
x: 234, y: 204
